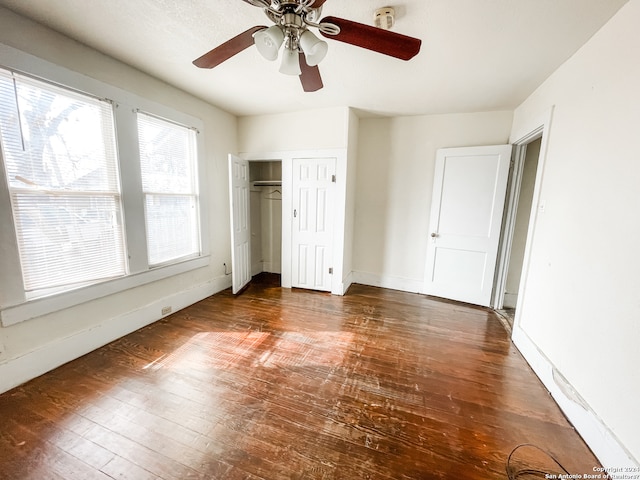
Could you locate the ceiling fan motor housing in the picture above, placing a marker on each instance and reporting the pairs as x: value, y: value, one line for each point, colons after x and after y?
x: 384, y: 17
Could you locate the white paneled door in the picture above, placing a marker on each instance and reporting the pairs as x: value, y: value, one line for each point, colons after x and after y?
x: 466, y: 218
x: 312, y: 231
x: 240, y: 222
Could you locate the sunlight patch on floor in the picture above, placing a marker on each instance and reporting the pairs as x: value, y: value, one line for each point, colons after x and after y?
x: 222, y: 350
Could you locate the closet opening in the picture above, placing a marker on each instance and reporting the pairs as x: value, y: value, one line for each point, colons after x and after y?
x: 266, y: 217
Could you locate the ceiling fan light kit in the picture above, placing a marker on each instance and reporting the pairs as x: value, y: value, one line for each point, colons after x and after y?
x: 313, y: 48
x: 268, y: 41
x: 303, y: 50
x: 290, y: 63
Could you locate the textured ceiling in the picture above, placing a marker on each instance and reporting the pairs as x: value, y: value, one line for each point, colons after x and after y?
x: 477, y: 55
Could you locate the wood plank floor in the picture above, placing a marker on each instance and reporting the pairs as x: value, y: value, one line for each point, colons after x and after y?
x: 291, y: 384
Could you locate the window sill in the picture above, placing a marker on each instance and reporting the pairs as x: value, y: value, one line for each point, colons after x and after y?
x: 14, y: 314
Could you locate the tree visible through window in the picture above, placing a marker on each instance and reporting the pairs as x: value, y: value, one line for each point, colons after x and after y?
x: 59, y: 154
x: 169, y: 182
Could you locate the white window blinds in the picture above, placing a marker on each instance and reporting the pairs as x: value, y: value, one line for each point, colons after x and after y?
x: 169, y: 182
x: 58, y: 149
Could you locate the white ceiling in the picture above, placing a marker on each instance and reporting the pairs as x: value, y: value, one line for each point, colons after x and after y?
x: 477, y: 55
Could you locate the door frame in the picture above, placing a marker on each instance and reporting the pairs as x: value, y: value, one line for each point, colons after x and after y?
x: 509, y: 222
x: 286, y: 157
x: 539, y: 128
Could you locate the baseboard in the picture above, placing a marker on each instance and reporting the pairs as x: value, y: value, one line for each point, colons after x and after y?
x: 342, y: 287
x: 510, y: 300
x: 591, y: 428
x: 16, y: 371
x: 388, y: 281
x: 262, y: 267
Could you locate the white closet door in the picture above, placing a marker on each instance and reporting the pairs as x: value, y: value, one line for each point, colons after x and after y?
x: 240, y: 222
x: 313, y: 214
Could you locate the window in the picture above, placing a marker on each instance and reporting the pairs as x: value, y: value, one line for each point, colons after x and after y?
x: 60, y: 160
x: 96, y: 197
x: 169, y: 183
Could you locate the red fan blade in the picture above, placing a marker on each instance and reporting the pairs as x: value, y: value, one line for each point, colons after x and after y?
x: 228, y: 49
x: 373, y: 38
x: 257, y: 3
x: 318, y: 3
x: 310, y: 76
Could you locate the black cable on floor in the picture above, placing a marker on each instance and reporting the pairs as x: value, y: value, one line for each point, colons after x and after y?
x: 513, y: 475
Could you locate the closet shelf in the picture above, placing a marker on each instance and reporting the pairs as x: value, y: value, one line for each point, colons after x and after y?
x: 267, y: 183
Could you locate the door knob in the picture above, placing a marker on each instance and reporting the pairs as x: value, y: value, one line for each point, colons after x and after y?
x: 434, y: 235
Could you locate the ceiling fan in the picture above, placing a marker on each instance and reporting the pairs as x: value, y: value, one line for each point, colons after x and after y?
x: 303, y: 50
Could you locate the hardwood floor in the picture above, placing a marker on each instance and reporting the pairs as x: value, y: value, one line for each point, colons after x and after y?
x: 292, y: 384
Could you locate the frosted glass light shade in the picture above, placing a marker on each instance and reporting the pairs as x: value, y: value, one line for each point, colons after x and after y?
x: 290, y: 62
x: 268, y: 42
x: 314, y: 49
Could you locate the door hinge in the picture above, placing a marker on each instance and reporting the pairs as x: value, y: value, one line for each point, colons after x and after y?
x: 330, y: 270
x: 333, y: 179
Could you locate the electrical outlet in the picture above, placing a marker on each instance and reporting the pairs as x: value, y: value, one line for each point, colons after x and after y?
x: 166, y: 310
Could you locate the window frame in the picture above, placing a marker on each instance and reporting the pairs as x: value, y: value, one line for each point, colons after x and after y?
x: 194, y: 192
x: 15, y: 307
x: 54, y: 193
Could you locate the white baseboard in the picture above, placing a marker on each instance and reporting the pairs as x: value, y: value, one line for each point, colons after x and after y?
x: 510, y: 300
x: 16, y: 371
x: 388, y: 281
x: 342, y: 287
x: 591, y: 428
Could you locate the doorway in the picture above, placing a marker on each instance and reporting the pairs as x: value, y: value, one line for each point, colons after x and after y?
x: 266, y: 216
x: 519, y: 214
x: 255, y: 204
x: 521, y: 226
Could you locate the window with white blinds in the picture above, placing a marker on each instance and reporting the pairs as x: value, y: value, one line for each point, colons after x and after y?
x: 168, y: 165
x: 60, y: 160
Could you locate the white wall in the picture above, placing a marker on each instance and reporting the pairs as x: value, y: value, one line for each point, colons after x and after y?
x: 350, y: 201
x: 396, y: 161
x: 29, y: 348
x: 325, y: 128
x: 580, y: 310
